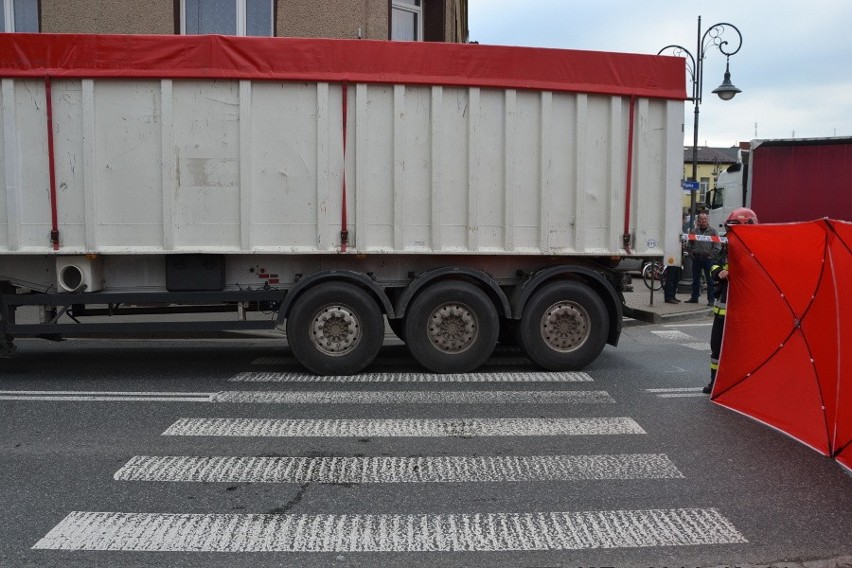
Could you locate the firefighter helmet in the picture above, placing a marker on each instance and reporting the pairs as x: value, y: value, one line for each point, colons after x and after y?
x: 742, y: 216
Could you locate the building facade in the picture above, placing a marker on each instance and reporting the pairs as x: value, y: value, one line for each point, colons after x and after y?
x: 405, y: 20
x: 711, y: 162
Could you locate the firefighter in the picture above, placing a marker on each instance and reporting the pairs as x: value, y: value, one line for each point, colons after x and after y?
x: 719, y: 275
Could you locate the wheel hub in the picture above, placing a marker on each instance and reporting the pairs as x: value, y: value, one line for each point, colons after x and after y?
x: 565, y: 326
x: 452, y: 328
x: 335, y: 330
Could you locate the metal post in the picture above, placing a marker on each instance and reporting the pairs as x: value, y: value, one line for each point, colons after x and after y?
x: 693, y: 192
x: 696, y: 97
x: 695, y: 68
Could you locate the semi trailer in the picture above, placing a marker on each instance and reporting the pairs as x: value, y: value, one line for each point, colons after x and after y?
x: 460, y: 194
x: 786, y: 180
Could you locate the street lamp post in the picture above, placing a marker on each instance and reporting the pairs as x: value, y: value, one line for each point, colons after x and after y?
x: 713, y: 37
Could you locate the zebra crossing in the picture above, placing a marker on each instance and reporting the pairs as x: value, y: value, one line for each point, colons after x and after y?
x: 483, y: 377
x: 420, y: 469
x: 401, y: 428
x: 489, y: 532
x: 404, y: 531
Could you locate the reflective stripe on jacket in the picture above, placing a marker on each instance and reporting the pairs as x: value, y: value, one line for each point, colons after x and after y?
x: 721, y: 304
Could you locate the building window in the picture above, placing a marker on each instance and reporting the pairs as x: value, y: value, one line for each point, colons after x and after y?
x: 19, y: 16
x: 702, y: 190
x: 407, y: 20
x: 227, y: 17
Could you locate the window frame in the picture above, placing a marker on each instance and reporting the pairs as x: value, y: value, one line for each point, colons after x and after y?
x: 8, y: 8
x: 241, y: 18
x: 416, y: 10
x: 703, y: 188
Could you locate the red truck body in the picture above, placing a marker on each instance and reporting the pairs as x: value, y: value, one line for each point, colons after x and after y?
x: 788, y: 180
x: 801, y: 180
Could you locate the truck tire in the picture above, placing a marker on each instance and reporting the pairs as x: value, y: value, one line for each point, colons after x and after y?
x: 335, y: 328
x: 451, y: 327
x: 564, y: 326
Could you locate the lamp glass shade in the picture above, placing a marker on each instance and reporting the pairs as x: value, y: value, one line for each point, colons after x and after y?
x: 726, y: 90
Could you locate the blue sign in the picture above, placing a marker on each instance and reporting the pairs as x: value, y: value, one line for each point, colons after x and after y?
x: 690, y: 185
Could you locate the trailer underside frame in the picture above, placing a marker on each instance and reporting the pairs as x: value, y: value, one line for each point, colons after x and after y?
x: 127, y: 303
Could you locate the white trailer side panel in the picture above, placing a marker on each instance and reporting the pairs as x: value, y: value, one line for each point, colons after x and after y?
x: 520, y: 172
x: 167, y: 165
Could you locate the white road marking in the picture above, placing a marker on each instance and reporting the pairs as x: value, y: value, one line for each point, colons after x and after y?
x: 324, y: 397
x: 459, y: 532
x: 493, y: 361
x: 104, y: 396
x: 423, y: 427
x: 677, y: 392
x: 683, y: 395
x: 423, y: 469
x: 415, y: 397
x: 673, y: 335
x: 698, y: 346
x: 541, y: 377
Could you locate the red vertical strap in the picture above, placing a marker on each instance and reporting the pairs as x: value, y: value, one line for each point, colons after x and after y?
x: 344, y: 230
x: 629, y: 182
x: 54, y: 215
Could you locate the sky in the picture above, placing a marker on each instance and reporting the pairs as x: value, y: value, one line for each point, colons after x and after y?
x: 794, y: 66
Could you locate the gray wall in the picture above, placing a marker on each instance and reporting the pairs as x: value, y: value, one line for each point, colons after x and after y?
x: 295, y: 18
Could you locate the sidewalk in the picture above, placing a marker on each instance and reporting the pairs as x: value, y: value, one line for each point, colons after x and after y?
x: 643, y: 307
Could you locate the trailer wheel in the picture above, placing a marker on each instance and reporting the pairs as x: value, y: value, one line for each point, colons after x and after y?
x: 564, y: 326
x: 451, y: 327
x: 335, y: 328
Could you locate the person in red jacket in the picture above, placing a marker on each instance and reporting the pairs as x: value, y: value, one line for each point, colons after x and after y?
x: 719, y: 275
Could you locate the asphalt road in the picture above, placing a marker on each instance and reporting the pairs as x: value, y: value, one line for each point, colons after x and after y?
x: 228, y: 455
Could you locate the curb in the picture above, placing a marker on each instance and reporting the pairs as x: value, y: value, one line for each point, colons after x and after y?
x: 639, y: 316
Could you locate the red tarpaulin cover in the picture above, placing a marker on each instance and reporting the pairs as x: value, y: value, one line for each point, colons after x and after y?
x: 294, y: 59
x: 786, y: 350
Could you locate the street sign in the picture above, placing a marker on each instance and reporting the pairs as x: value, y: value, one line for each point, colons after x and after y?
x: 690, y: 185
